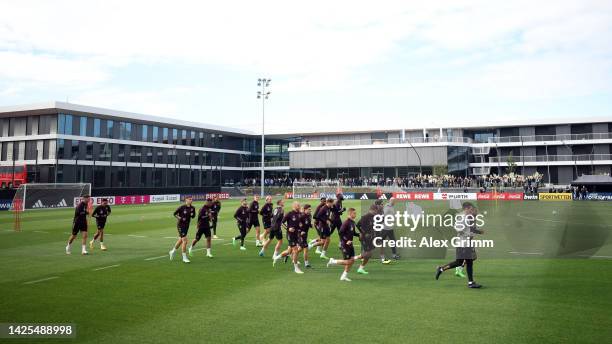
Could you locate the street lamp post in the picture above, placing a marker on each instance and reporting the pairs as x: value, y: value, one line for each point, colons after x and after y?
x: 263, y: 94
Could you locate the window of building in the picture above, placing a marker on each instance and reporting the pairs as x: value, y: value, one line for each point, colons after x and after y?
x: 96, y: 127
x: 105, y: 151
x: 155, y: 134
x: 60, y: 148
x: 89, y: 150
x: 165, y: 135
x: 174, y: 136
x: 109, y: 129
x: 193, y: 140
x: 83, y: 126
x: 145, y: 132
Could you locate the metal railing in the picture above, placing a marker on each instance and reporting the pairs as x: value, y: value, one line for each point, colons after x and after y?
x: 553, y: 158
x: 560, y: 137
x: 367, y: 142
x: 267, y: 164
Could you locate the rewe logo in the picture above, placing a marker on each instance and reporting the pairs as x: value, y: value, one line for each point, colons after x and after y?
x: 364, y: 196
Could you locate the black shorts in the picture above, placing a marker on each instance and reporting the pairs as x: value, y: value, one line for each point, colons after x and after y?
x: 203, y: 230
x: 79, y: 227
x: 335, y: 224
x: 316, y: 226
x: 100, y: 224
x: 182, y: 231
x: 325, y: 231
x: 292, y: 239
x: 367, y: 245
x: 303, y: 240
x: 276, y: 234
x: 253, y: 222
x: 348, y: 251
x: 267, y: 223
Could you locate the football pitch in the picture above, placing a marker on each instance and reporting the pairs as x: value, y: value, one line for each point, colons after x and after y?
x: 547, y: 280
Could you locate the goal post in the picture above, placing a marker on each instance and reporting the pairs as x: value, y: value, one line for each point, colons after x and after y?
x: 31, y: 196
x: 313, y: 189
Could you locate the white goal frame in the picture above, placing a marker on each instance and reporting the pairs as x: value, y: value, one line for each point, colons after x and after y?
x: 19, y: 204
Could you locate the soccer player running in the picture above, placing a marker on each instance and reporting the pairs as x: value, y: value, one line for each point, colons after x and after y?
x: 336, y: 212
x: 325, y: 226
x: 254, y: 219
x: 276, y: 231
x: 266, y: 218
x: 214, y: 214
x: 306, y: 224
x: 347, y: 234
x: 242, y: 220
x: 79, y: 224
x: 367, y: 235
x: 387, y: 232
x: 100, y: 213
x: 183, y: 215
x: 292, y: 223
x: 465, y: 254
x: 203, y: 228
x: 317, y: 242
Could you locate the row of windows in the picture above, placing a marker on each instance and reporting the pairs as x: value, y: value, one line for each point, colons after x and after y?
x: 123, y: 130
x: 30, y: 125
x: 101, y: 151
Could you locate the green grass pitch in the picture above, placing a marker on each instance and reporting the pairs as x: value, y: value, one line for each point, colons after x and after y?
x: 539, y: 285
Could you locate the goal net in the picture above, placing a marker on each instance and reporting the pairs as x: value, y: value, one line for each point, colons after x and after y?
x: 316, y: 189
x: 46, y: 196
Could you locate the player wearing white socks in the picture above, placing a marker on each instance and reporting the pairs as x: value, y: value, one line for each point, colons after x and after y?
x: 293, y: 223
x: 204, y: 216
x: 347, y: 233
x: 183, y: 215
x: 276, y: 231
x: 79, y: 224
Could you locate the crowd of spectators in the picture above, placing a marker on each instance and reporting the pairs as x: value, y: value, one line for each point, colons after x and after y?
x: 529, y: 183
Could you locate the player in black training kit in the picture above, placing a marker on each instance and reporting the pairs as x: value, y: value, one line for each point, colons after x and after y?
x: 183, y: 215
x: 203, y: 228
x: 306, y: 224
x: 336, y: 213
x: 266, y: 217
x: 347, y: 234
x: 323, y: 218
x: 293, y: 224
x: 254, y: 219
x: 214, y: 215
x: 276, y: 231
x: 317, y: 242
x: 242, y: 220
x: 100, y: 213
x: 79, y: 224
x: 367, y: 235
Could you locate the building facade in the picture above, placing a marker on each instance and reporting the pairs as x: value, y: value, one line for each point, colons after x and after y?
x: 66, y: 143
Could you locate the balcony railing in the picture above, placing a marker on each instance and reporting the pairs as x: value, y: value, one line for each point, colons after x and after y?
x: 561, y: 137
x: 368, y: 142
x: 246, y: 164
x: 553, y: 158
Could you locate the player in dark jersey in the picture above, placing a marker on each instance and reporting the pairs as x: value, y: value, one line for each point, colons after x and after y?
x: 276, y: 230
x: 367, y: 235
x: 100, y: 213
x: 347, y: 234
x: 79, y: 224
x: 313, y: 242
x: 203, y: 228
x: 292, y: 223
x: 336, y: 213
x: 254, y: 220
x: 306, y: 224
x: 322, y: 216
x: 242, y: 220
x: 183, y: 215
x: 214, y: 214
x: 266, y: 218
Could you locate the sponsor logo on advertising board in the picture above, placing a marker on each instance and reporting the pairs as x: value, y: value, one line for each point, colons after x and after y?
x: 547, y: 196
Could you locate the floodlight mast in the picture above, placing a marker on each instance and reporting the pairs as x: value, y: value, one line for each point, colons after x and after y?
x: 263, y: 94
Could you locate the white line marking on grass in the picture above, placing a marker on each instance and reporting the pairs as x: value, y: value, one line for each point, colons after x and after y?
x: 171, y: 237
x: 136, y: 236
x: 587, y: 256
x: 106, y: 267
x: 529, y: 253
x: 40, y: 232
x: 159, y: 257
x: 41, y: 280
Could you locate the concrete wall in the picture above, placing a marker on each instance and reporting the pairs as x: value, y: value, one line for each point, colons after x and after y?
x: 384, y: 157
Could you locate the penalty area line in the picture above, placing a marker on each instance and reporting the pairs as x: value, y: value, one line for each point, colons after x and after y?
x: 106, y: 267
x: 41, y: 280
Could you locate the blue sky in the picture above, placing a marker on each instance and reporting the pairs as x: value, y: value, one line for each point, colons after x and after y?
x: 334, y: 65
